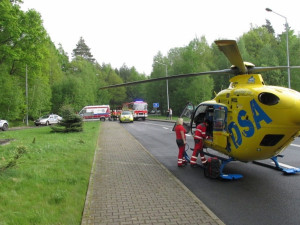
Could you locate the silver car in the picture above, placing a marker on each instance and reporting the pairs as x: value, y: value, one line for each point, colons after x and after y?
x: 48, y: 120
x: 3, y: 125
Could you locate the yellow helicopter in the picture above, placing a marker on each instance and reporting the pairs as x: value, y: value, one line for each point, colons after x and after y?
x: 249, y: 121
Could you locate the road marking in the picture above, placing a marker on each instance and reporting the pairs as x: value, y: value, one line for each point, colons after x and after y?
x: 295, y: 145
x: 285, y: 165
x: 157, y: 124
x: 164, y: 126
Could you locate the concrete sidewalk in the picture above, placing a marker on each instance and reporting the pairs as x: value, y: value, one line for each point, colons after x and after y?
x: 129, y: 186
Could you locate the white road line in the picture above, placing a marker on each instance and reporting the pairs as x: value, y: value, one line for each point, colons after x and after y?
x: 165, y: 127
x: 295, y: 145
x: 285, y: 165
x: 158, y: 124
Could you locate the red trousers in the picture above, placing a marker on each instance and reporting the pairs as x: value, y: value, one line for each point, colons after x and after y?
x: 198, y: 149
x: 181, y: 159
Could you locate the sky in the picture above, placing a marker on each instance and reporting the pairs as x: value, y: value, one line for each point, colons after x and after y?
x: 132, y: 32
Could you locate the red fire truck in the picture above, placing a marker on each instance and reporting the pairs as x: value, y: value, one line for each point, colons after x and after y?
x: 138, y: 108
x: 101, y: 112
x: 115, y: 114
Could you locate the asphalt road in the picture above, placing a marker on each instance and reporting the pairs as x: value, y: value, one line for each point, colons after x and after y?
x: 263, y: 196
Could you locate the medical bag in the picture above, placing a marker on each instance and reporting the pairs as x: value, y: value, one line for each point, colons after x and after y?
x: 212, y: 168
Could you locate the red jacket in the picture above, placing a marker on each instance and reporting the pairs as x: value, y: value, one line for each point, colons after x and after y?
x: 200, y: 132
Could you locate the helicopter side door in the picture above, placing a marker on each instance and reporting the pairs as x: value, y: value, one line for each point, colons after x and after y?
x: 216, y: 114
x: 186, y: 115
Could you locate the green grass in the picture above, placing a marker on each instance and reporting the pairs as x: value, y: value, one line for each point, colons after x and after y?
x: 44, y: 176
x: 161, y: 117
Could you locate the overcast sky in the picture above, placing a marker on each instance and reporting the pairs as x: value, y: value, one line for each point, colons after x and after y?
x: 133, y: 31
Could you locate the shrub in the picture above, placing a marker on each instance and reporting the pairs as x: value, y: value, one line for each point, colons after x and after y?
x: 71, y: 122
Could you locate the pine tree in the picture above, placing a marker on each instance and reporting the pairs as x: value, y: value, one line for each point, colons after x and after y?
x: 82, y: 50
x: 269, y: 27
x: 71, y: 122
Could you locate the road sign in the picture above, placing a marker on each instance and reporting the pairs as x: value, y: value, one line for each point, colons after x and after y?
x: 155, y: 105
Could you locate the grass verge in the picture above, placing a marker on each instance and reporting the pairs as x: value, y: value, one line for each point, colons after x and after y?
x: 44, y: 176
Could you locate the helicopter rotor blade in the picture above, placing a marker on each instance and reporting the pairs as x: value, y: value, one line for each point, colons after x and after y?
x: 226, y: 71
x: 231, y: 51
x: 264, y: 69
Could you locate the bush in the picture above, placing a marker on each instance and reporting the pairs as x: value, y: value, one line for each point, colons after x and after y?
x: 71, y: 122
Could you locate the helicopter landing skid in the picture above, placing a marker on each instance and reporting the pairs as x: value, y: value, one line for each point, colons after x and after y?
x: 224, y: 162
x: 291, y: 170
x: 228, y: 176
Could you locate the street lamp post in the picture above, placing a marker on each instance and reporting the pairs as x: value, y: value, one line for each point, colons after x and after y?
x: 166, y: 82
x: 287, y: 44
x: 26, y: 93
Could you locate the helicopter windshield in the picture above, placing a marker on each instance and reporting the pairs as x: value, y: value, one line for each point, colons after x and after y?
x: 200, y: 113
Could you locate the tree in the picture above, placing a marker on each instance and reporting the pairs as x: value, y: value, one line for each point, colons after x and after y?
x: 11, y: 98
x: 264, y: 49
x: 24, y: 43
x: 294, y: 51
x: 63, y: 58
x: 10, y: 30
x: 71, y: 122
x: 117, y: 95
x: 82, y: 50
x: 196, y: 57
x: 269, y: 27
x: 78, y: 87
x: 130, y: 75
x: 156, y: 91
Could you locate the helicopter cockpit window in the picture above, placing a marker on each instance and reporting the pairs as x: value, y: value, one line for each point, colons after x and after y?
x: 219, y: 119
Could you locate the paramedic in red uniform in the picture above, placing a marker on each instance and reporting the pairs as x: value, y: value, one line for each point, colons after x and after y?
x: 181, y: 141
x: 199, y: 136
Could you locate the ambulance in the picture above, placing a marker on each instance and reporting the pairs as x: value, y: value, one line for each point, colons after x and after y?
x: 101, y: 112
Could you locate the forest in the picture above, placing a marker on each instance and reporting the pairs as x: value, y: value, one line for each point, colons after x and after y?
x: 38, y: 77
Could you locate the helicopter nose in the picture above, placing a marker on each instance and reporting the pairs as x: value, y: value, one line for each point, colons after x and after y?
x: 291, y: 102
x: 297, y: 112
x: 283, y: 106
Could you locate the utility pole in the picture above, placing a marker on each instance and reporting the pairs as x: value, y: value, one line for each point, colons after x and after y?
x: 26, y: 88
x: 167, y: 83
x: 287, y: 44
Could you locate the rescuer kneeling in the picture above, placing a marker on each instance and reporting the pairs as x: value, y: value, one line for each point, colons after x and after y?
x: 199, y: 136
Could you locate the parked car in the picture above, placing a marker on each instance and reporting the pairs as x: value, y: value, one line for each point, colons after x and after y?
x: 155, y: 112
x: 48, y: 120
x: 126, y: 116
x: 3, y: 125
